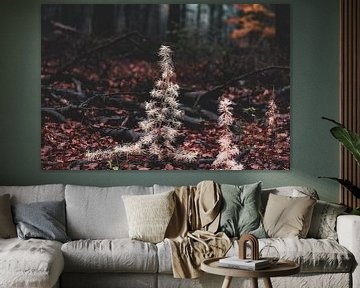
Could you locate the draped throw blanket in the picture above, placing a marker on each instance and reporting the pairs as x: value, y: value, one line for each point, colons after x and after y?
x: 191, y: 231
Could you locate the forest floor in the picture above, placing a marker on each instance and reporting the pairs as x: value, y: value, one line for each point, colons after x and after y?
x: 98, y: 101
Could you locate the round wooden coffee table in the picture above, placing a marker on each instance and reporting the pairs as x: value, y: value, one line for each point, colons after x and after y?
x: 281, y: 268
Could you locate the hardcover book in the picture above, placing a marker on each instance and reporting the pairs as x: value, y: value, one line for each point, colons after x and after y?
x: 236, y: 262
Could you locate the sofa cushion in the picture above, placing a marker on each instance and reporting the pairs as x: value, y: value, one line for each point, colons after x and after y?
x: 116, y: 255
x: 43, y: 220
x: 240, y: 212
x: 109, y: 280
x: 35, y: 193
x: 287, y: 216
x: 323, y: 222
x: 313, y: 255
x: 164, y: 257
x: 149, y: 215
x: 163, y: 188
x: 291, y: 191
x: 7, y: 226
x: 98, y: 213
x: 30, y: 263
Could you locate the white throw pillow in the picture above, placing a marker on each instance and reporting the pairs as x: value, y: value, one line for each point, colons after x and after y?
x: 149, y: 215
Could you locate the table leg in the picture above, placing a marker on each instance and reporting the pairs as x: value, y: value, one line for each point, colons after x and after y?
x: 227, y: 282
x: 254, y: 282
x: 267, y: 283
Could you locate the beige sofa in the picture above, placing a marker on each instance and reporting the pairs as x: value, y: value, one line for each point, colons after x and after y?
x: 101, y: 254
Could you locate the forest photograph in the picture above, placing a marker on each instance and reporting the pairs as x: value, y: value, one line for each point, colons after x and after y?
x: 165, y: 87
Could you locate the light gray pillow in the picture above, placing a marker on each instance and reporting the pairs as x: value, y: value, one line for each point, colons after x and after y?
x: 323, y: 222
x: 44, y: 220
x: 7, y: 226
x: 240, y: 213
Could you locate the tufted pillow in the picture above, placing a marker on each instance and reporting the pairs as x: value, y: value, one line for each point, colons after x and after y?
x: 149, y: 215
x: 240, y: 213
x: 288, y: 217
x: 7, y: 226
x: 323, y: 222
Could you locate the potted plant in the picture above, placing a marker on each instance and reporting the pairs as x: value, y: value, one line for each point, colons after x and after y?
x: 351, y: 141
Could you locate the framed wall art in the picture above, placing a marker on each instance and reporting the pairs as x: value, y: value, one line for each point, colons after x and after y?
x: 165, y: 87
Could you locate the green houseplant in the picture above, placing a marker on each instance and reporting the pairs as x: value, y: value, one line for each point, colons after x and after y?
x: 351, y: 141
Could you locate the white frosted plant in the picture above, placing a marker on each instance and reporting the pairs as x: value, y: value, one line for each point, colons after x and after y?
x: 162, y: 111
x: 227, y: 150
x: 162, y: 122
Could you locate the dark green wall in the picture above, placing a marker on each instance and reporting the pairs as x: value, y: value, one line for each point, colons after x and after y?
x: 315, y: 69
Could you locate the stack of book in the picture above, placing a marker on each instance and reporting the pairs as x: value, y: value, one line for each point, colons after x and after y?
x: 248, y: 264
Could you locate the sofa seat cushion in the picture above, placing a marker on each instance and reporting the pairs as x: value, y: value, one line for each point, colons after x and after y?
x: 30, y: 263
x: 109, y: 280
x: 110, y: 255
x: 313, y: 255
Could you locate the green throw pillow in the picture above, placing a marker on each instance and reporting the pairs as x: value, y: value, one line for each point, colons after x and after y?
x: 240, y: 213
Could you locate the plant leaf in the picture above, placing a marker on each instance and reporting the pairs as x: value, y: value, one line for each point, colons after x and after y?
x: 349, y: 139
x: 333, y: 121
x: 347, y: 184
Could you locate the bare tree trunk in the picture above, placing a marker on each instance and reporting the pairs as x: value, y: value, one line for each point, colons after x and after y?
x: 198, y: 17
x: 219, y: 22
x: 133, y: 18
x: 174, y: 21
x: 282, y: 24
x: 183, y: 15
x: 119, y: 19
x: 174, y: 17
x: 103, y: 19
x: 87, y: 16
x: 153, y: 20
x: 212, y: 16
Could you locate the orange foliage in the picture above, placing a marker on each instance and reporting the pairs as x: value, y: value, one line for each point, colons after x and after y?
x: 254, y: 8
x: 269, y: 31
x: 252, y: 21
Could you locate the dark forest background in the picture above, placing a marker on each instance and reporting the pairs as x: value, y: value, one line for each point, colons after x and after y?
x: 99, y: 63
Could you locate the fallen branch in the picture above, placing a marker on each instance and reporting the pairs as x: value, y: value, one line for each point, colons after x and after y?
x: 202, y: 112
x: 213, y: 92
x: 53, y: 113
x: 192, y: 122
x: 77, y: 58
x: 121, y: 134
x: 206, y: 161
x: 79, y: 163
x: 64, y: 27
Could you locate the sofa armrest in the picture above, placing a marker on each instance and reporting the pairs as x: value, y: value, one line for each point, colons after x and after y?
x: 348, y: 230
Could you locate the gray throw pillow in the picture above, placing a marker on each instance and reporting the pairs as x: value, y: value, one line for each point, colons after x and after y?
x: 7, y: 227
x: 240, y: 213
x: 323, y: 222
x: 44, y: 220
